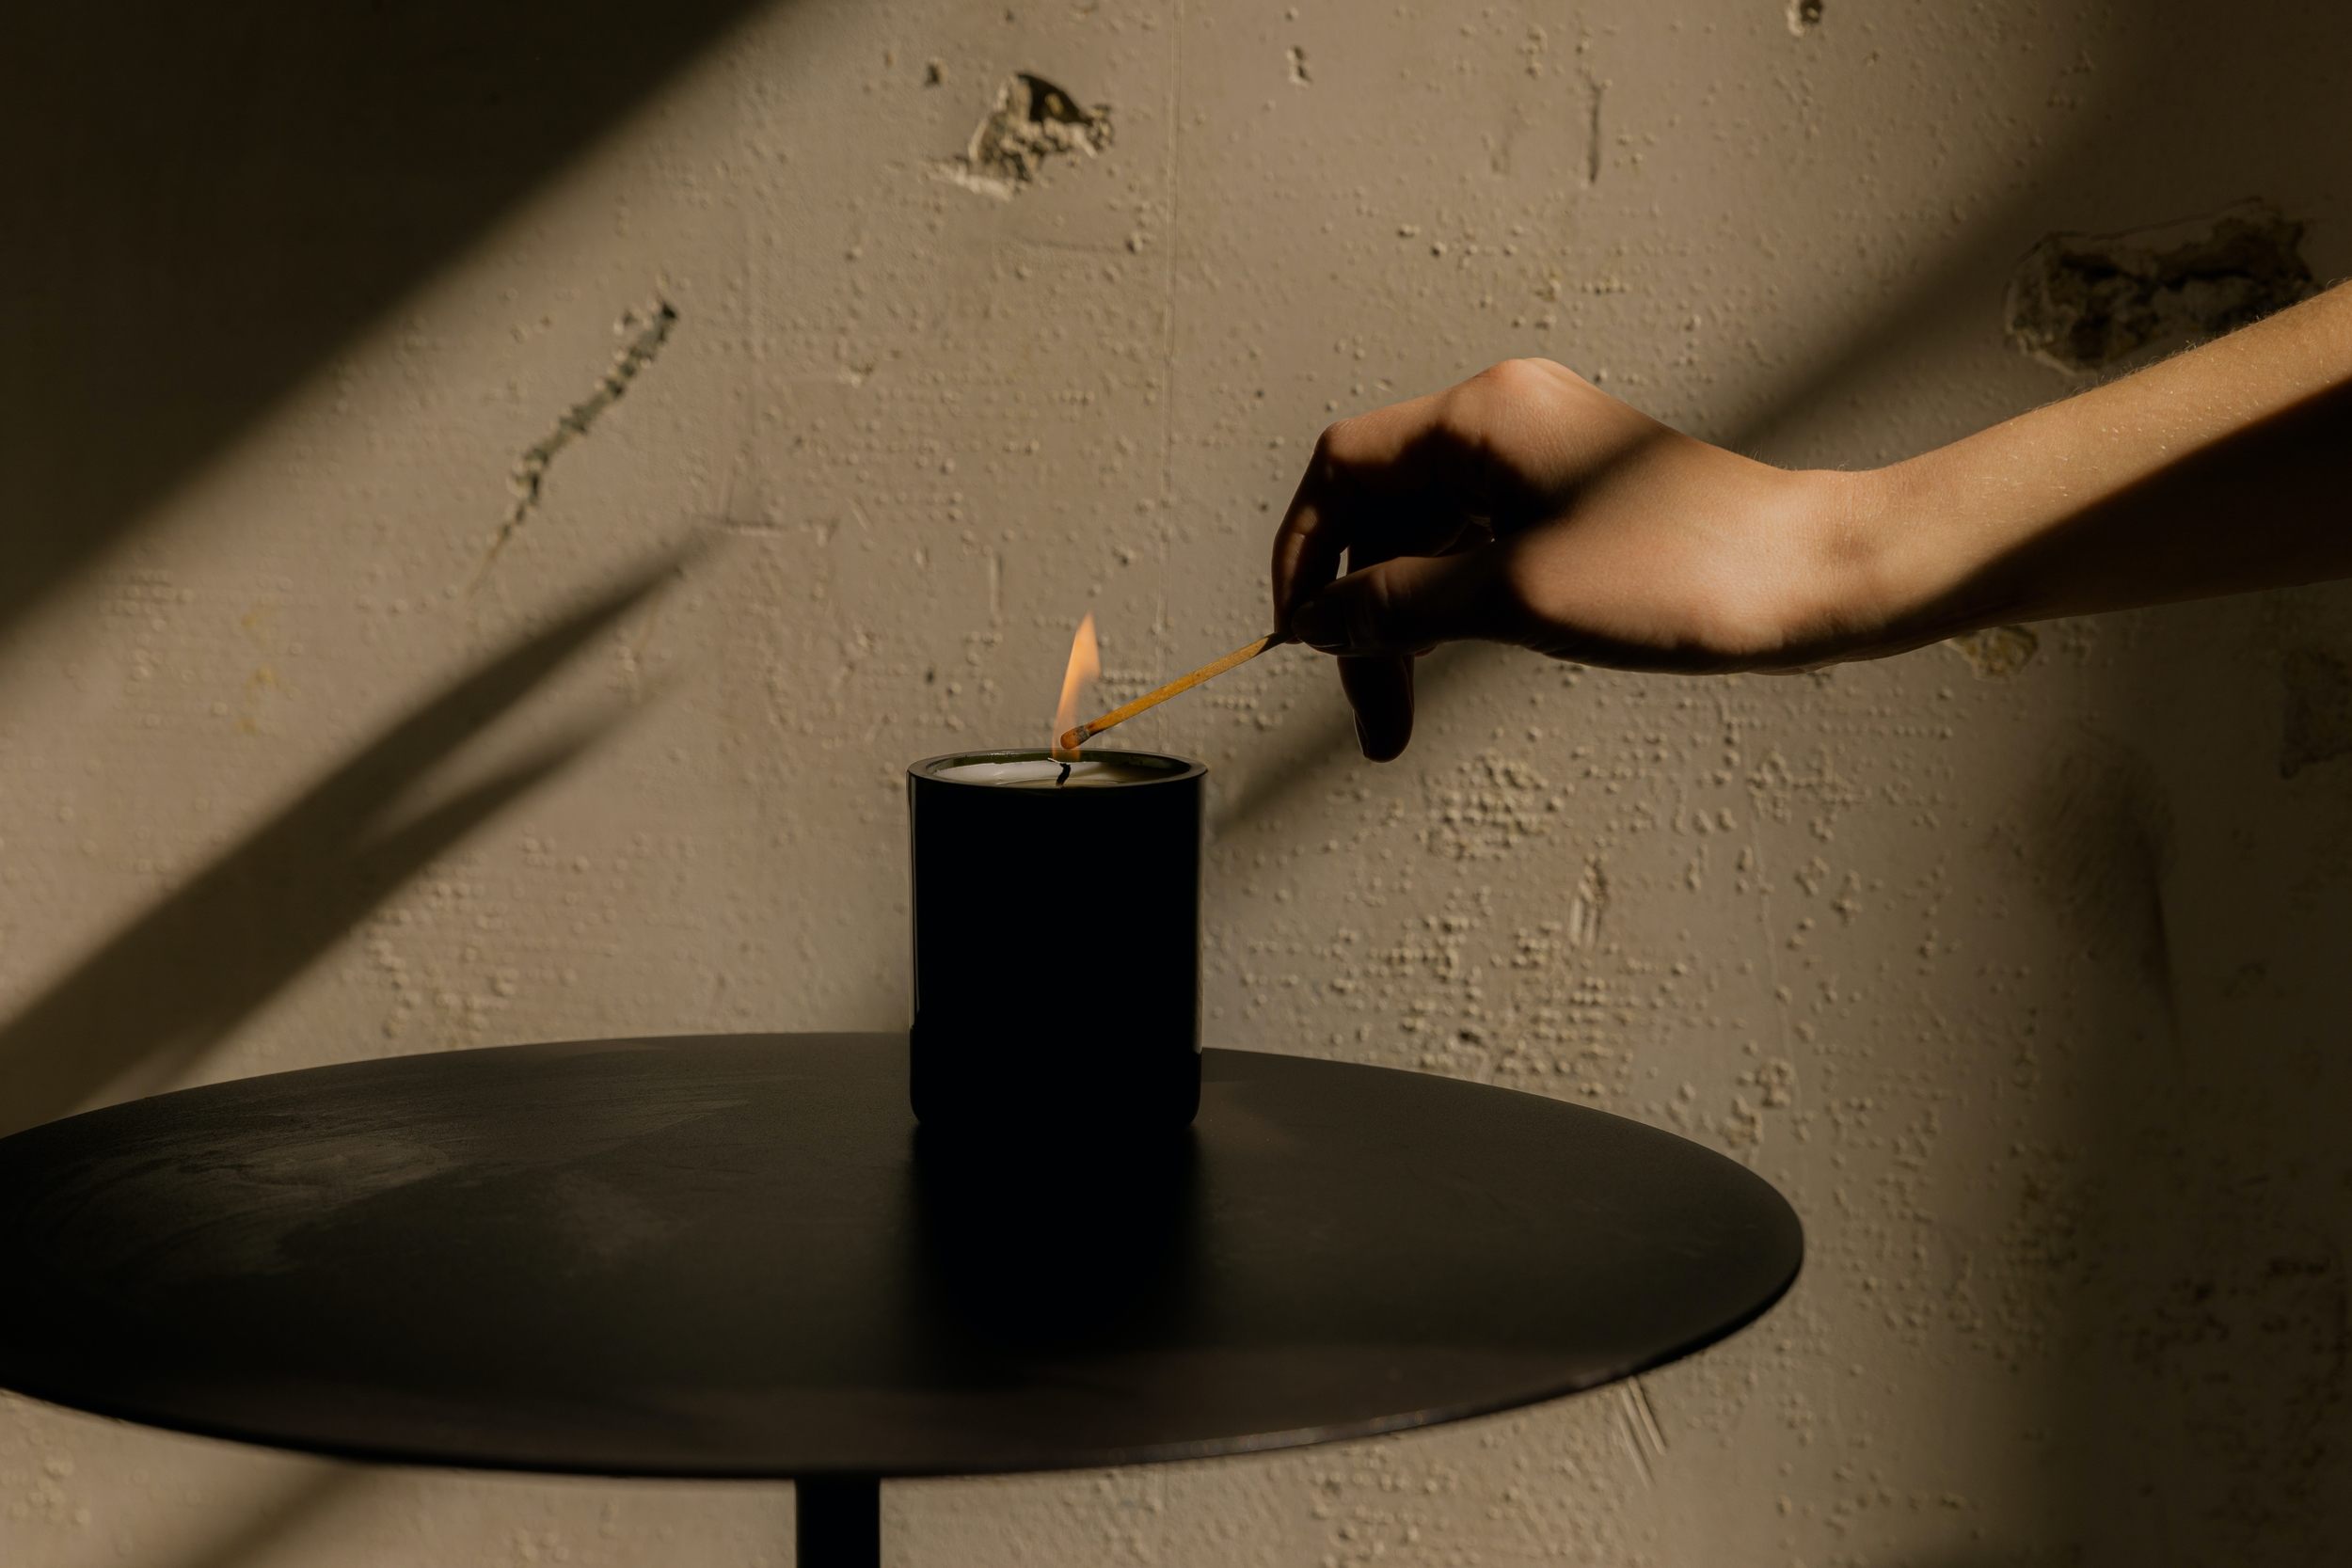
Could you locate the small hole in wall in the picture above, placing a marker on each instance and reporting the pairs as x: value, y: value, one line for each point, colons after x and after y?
x: 1803, y: 16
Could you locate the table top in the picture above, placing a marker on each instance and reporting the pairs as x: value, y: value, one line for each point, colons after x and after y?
x: 732, y: 1256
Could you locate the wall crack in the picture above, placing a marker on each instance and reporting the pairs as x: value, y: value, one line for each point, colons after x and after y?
x: 1594, y: 90
x: 528, y: 480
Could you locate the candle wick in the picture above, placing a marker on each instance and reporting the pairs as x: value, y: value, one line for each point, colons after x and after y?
x: 1065, y: 776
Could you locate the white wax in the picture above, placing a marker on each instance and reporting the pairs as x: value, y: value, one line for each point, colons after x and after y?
x: 1039, y: 773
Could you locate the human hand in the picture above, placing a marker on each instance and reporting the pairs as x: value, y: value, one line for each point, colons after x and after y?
x: 1527, y: 506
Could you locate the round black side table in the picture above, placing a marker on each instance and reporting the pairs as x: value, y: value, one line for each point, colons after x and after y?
x: 735, y: 1256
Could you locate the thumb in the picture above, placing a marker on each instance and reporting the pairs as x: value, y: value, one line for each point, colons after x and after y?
x: 1405, y: 606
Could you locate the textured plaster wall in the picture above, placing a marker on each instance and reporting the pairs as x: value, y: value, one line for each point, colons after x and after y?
x: 356, y: 355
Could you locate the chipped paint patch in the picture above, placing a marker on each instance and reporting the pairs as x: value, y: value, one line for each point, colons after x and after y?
x: 2082, y: 303
x: 1997, y: 650
x: 1033, y: 121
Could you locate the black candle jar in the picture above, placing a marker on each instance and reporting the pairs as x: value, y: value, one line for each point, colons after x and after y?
x: 1056, y: 944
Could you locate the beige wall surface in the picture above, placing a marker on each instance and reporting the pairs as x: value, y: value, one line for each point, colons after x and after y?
x: 811, y: 425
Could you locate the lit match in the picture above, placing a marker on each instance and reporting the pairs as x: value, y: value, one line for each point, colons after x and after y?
x: 1071, y: 739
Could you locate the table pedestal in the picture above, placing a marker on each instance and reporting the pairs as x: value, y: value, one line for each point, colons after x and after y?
x: 838, y: 1522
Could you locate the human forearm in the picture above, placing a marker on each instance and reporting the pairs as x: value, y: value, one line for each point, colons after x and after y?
x: 2225, y: 469
x: 1527, y: 506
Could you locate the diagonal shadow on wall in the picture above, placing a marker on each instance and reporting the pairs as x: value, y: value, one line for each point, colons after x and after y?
x: 268, y: 1526
x: 204, y: 201
x: 172, y: 985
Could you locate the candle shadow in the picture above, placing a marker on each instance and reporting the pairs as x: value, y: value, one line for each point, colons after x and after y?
x: 1021, y: 1253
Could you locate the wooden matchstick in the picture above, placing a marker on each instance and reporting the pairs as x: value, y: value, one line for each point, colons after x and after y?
x: 1073, y: 740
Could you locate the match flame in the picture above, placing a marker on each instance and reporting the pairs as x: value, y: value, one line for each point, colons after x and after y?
x: 1085, y: 663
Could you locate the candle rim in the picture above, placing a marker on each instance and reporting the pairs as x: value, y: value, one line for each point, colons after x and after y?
x: 934, y: 769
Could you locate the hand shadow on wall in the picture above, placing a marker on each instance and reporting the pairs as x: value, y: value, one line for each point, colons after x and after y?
x: 207, y: 201
x: 172, y: 985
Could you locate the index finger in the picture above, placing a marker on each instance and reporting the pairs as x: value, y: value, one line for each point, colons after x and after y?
x: 1328, y: 513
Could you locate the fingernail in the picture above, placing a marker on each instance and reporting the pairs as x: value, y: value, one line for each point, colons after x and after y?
x: 1314, y: 625
x: 1363, y: 742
